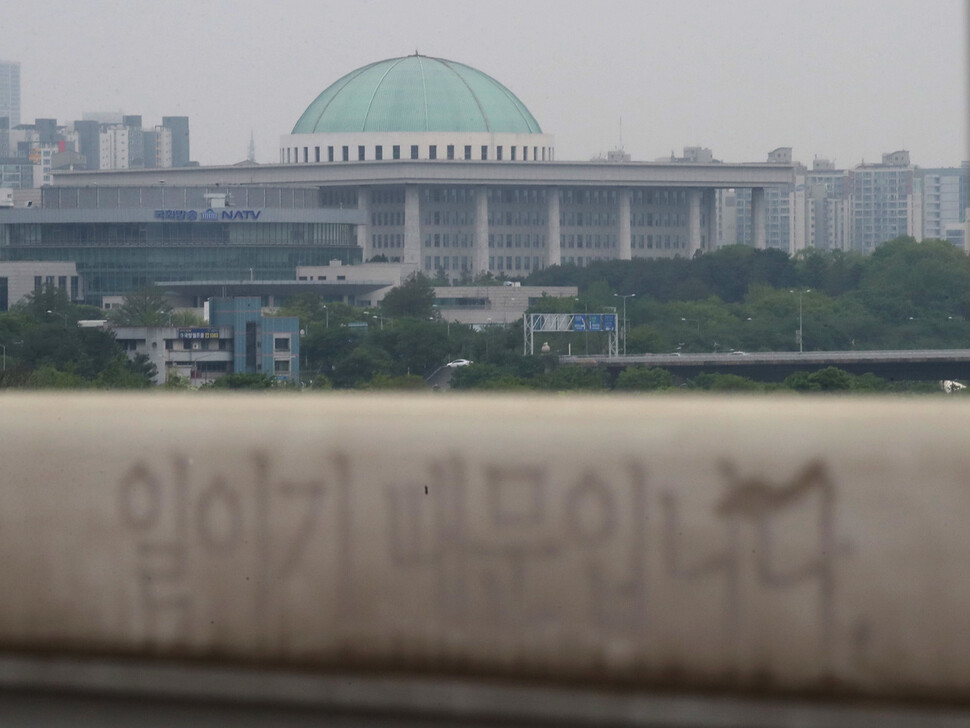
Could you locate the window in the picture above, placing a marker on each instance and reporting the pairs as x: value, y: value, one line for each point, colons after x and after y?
x: 451, y: 151
x: 306, y: 154
x: 498, y: 153
x: 513, y: 154
x: 346, y: 153
x: 433, y: 152
x: 329, y: 154
x: 38, y: 283
x: 484, y: 151
x: 468, y: 151
x: 378, y: 152
x: 316, y: 154
x: 361, y: 156
x: 396, y: 151
x: 281, y: 365
x: 281, y: 343
x: 414, y: 151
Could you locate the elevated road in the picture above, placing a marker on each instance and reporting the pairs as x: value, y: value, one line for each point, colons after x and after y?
x: 774, y: 366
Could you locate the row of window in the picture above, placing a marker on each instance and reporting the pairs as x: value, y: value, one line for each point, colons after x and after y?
x: 449, y: 217
x: 520, y: 240
x: 591, y: 241
x: 387, y: 240
x: 510, y: 262
x: 115, y: 271
x: 447, y: 262
x: 383, y: 219
x: 445, y: 240
x: 516, y: 217
x: 534, y: 218
x: 387, y: 197
x: 304, y: 155
x: 49, y: 281
x: 180, y: 233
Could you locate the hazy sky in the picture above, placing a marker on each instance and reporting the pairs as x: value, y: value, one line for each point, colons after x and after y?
x: 842, y: 79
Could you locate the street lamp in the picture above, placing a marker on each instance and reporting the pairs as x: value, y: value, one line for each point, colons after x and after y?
x: 801, y: 343
x: 374, y: 315
x: 327, y: 312
x: 625, y: 326
x: 690, y: 320
x: 55, y: 313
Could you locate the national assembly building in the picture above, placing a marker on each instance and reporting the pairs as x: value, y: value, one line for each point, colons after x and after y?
x: 407, y: 164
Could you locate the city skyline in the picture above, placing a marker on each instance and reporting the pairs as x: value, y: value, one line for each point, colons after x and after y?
x: 842, y: 81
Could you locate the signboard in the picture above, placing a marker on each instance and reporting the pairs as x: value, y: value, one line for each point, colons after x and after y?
x: 609, y: 322
x: 579, y: 322
x: 595, y: 322
x: 209, y: 215
x: 197, y: 333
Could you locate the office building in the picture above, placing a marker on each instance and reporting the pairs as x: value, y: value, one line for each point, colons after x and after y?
x: 179, y: 128
x: 238, y: 338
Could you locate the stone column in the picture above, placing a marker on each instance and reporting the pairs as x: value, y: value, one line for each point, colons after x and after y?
x: 412, y: 226
x: 481, y: 231
x: 759, y: 218
x: 625, y: 244
x: 710, y: 207
x: 553, y: 247
x: 693, y: 221
x: 364, y: 230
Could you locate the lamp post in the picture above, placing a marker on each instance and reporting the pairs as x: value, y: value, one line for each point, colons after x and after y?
x: 55, y: 313
x: 585, y: 324
x: 625, y: 325
x: 327, y: 313
x: 374, y: 315
x: 801, y: 342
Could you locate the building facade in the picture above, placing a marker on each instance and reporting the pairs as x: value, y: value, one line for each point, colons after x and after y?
x: 10, y: 92
x: 238, y: 338
x: 123, y: 238
x: 19, y: 279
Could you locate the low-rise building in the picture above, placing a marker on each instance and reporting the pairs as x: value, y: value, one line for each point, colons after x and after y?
x: 238, y: 338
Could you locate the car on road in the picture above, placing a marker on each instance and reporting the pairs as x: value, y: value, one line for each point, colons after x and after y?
x: 459, y: 363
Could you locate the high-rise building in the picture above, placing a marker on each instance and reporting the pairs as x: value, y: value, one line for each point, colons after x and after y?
x: 886, y: 203
x: 943, y: 205
x: 163, y: 146
x: 114, y: 147
x: 89, y: 142
x: 10, y: 91
x: 825, y: 207
x: 179, y: 126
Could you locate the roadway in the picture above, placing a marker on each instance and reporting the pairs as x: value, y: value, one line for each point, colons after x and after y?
x: 773, y: 366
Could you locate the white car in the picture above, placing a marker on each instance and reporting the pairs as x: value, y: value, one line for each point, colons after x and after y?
x: 459, y: 363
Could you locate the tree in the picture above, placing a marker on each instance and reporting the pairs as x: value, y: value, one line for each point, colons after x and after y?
x: 144, y: 307
x: 414, y: 298
x: 242, y: 380
x: 361, y: 365
x: 644, y: 379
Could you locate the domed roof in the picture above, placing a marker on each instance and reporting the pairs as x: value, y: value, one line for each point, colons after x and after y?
x: 416, y: 94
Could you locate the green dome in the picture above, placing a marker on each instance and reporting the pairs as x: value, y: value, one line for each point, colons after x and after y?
x: 416, y: 94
